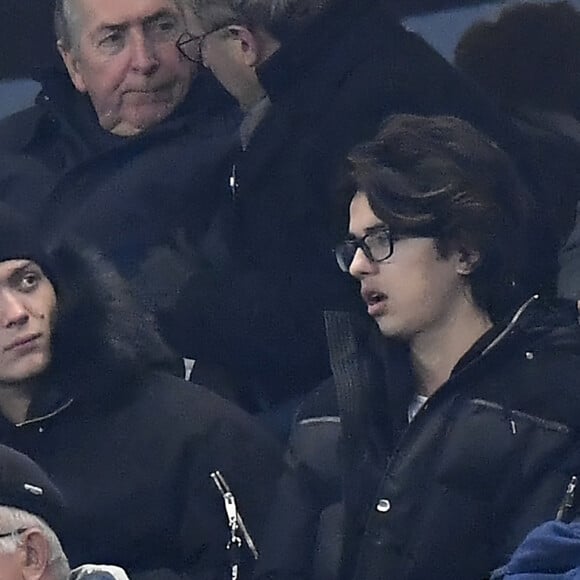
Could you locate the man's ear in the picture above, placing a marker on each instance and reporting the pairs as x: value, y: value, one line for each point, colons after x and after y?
x: 467, y: 261
x: 72, y: 66
x: 36, y: 554
x: 250, y: 45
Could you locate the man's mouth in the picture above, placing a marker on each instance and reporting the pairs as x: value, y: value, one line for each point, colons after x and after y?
x: 372, y: 297
x: 147, y: 90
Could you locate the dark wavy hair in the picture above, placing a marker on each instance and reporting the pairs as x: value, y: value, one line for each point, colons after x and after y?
x: 440, y: 177
x: 529, y: 56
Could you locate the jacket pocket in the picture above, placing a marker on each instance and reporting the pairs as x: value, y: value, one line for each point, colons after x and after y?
x: 491, y: 449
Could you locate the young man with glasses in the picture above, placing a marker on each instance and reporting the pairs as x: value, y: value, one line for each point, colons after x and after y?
x: 460, y: 405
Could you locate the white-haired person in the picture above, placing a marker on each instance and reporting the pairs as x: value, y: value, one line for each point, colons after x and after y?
x: 32, y: 510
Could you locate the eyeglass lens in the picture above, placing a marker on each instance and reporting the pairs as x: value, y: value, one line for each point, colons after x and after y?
x: 376, y: 246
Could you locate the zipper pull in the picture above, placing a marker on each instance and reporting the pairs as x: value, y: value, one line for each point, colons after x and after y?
x: 235, y: 524
x: 234, y: 182
x: 224, y: 489
x: 568, y: 500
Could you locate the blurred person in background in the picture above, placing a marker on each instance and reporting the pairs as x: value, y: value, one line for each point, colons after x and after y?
x: 529, y: 62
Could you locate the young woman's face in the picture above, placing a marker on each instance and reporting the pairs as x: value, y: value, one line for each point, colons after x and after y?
x: 27, y: 313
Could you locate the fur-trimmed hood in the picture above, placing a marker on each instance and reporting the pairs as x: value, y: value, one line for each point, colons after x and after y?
x: 103, y: 343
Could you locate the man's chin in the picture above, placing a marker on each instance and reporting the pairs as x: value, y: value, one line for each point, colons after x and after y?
x: 147, y: 117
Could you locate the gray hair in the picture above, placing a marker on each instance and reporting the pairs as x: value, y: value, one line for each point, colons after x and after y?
x: 67, y: 21
x: 280, y: 18
x: 13, y: 518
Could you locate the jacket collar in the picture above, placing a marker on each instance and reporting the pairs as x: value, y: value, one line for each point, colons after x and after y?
x: 301, y: 54
x: 494, y: 337
x: 554, y: 321
x: 78, y: 120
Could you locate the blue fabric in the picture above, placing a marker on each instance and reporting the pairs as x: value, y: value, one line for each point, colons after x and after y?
x: 550, y: 552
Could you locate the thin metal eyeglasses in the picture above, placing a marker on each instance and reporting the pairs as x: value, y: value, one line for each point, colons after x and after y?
x: 377, y: 245
x: 16, y: 532
x: 191, y: 46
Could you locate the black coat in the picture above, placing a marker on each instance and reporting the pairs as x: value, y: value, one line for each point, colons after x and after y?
x: 132, y: 447
x: 124, y: 195
x: 487, y: 458
x: 331, y: 87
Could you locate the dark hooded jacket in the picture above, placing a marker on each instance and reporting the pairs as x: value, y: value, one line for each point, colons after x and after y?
x: 132, y: 447
x: 331, y: 86
x: 488, y: 457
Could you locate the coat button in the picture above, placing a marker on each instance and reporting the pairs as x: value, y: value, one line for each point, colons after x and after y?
x: 530, y: 355
x: 41, y: 429
x: 383, y: 506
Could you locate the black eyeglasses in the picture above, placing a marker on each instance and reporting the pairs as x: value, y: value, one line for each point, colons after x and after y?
x: 13, y: 533
x: 377, y: 246
x: 191, y: 46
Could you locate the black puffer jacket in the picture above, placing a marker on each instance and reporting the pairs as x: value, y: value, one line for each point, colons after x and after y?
x: 488, y: 457
x: 132, y: 447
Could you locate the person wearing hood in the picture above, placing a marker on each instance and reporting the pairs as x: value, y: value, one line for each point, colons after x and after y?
x: 144, y: 459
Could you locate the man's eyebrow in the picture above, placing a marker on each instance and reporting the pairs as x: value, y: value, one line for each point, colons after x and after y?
x: 148, y: 20
x: 377, y: 228
x: 160, y: 14
x: 106, y: 27
x: 370, y: 230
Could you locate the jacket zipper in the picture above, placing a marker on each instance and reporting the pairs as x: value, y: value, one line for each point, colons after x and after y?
x: 233, y: 182
x: 235, y: 521
x: 568, y: 499
x: 47, y: 416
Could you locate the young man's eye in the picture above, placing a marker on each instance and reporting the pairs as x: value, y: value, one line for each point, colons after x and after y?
x: 380, y: 238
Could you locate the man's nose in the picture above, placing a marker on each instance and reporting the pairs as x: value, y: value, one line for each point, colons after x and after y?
x: 144, y: 54
x: 361, y: 266
x: 13, y: 311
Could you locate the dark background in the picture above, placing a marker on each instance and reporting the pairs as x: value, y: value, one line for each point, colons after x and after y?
x: 27, y: 40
